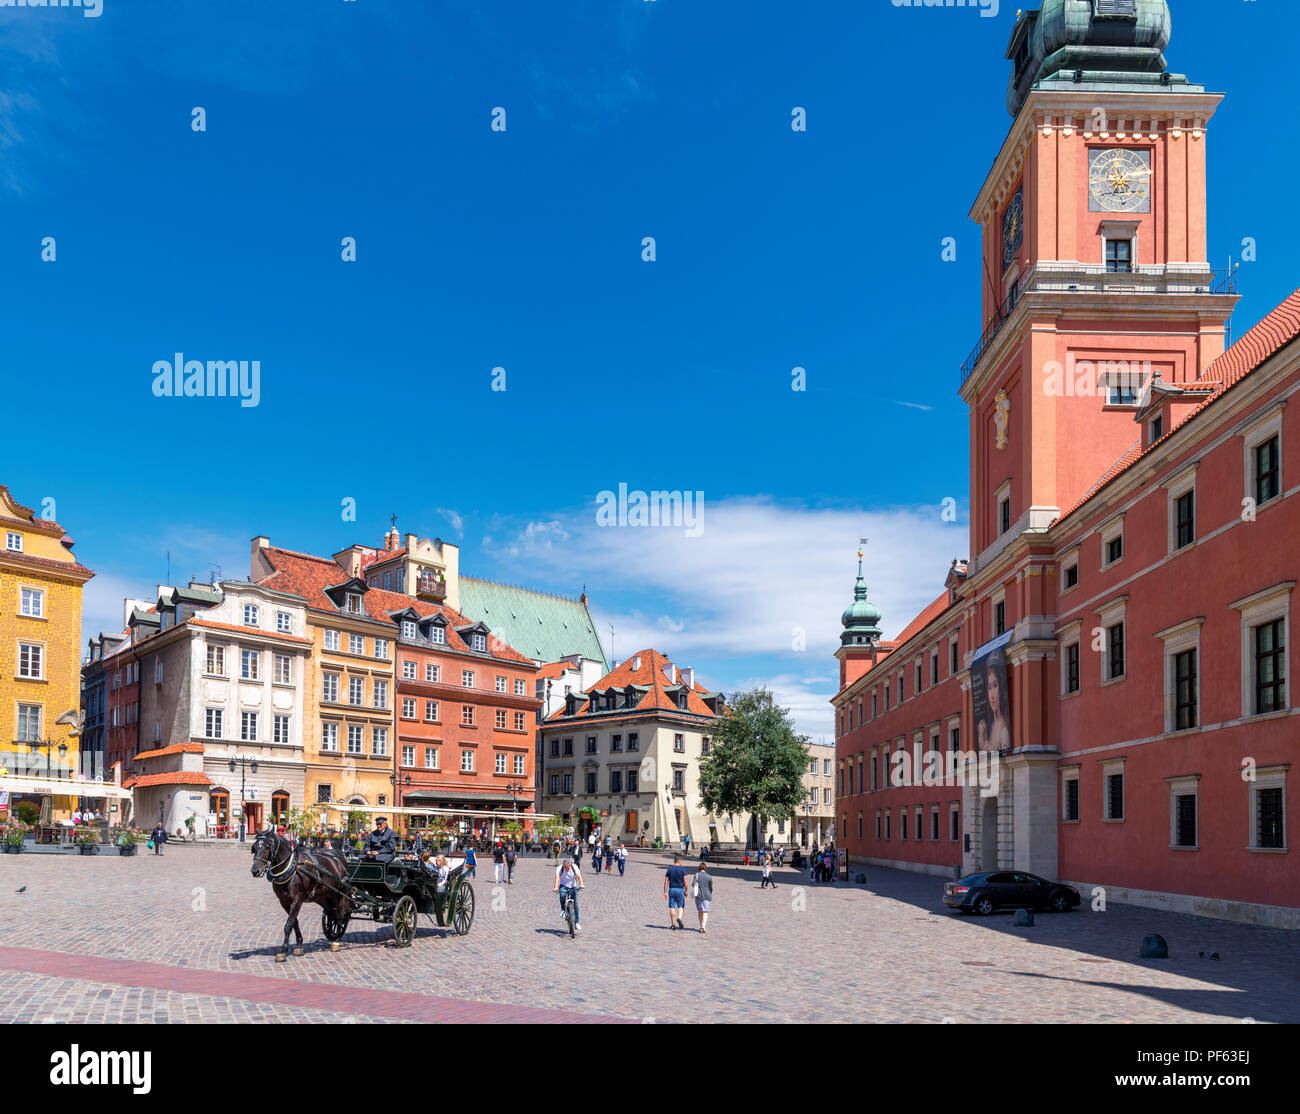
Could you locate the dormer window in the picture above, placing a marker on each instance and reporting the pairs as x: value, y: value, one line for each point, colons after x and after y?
x: 283, y: 622
x: 354, y: 603
x: 479, y: 643
x: 408, y: 629
x: 1157, y: 426
x: 437, y: 635
x: 250, y: 615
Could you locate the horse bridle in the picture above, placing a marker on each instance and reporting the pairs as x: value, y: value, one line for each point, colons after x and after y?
x: 287, y: 869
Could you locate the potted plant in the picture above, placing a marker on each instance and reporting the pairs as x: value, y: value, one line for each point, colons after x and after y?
x: 128, y: 841
x: 12, y: 835
x: 86, y: 839
x: 27, y: 812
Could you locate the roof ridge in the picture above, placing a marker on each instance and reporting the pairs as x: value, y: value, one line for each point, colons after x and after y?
x: 521, y: 588
x: 304, y: 556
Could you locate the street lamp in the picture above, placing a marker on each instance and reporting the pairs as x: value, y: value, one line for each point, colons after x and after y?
x: 47, y: 745
x: 242, y: 765
x: 397, y: 784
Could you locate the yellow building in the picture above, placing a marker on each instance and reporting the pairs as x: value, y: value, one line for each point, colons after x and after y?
x: 40, y: 644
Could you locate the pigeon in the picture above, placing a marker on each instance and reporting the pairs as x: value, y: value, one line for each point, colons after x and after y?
x: 21, y: 891
x: 1215, y: 955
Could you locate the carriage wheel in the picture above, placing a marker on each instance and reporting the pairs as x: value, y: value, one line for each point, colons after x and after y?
x: 464, y: 915
x: 334, y: 927
x: 405, y: 919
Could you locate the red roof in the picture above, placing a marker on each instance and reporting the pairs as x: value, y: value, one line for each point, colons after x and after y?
x: 195, y: 621
x: 175, y: 777
x: 927, y: 616
x: 1256, y: 347
x: 178, y: 748
x: 554, y: 669
x: 653, y: 674
x: 379, y: 600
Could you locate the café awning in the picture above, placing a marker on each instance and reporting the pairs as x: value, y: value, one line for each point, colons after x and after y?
x: 64, y: 787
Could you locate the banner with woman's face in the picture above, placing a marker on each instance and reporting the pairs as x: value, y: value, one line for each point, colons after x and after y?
x: 990, y: 703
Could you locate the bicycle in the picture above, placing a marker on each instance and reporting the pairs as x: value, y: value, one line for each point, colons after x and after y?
x: 569, y: 916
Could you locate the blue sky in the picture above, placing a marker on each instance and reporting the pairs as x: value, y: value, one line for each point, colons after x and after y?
x: 522, y: 249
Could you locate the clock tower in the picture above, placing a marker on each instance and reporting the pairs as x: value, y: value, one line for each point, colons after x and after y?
x: 1095, y: 273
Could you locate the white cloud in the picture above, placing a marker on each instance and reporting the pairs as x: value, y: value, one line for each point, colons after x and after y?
x: 760, y: 572
x: 457, y: 522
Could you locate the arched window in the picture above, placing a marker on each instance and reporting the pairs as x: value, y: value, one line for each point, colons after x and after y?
x: 219, y: 802
x: 279, y: 807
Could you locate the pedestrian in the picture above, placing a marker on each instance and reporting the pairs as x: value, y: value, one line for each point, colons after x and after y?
x: 510, y: 865
x: 498, y: 862
x: 622, y: 859
x: 686, y: 843
x: 595, y: 860
x: 762, y: 855
x: 767, y: 876
x: 471, y: 863
x: 609, y: 859
x: 159, y: 837
x: 703, y: 890
x: 675, y: 892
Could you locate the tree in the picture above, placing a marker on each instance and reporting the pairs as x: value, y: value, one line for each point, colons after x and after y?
x: 756, y: 762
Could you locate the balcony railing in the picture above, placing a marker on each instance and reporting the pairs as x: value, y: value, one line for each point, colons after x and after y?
x: 431, y: 586
x: 1093, y: 278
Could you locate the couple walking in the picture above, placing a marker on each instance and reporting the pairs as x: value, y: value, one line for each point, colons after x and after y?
x: 675, y: 893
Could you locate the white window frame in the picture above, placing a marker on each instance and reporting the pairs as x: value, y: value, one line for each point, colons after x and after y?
x: 1182, y: 787
x: 500, y: 766
x: 26, y: 592
x: 408, y: 755
x: 381, y: 649
x: 284, y: 622
x: 1268, y: 424
x: 380, y: 689
x: 502, y: 683
x: 280, y: 729
x: 250, y: 665
x: 408, y: 629
x: 467, y: 678
x: 329, y: 738
x: 211, y: 717
x: 1178, y: 639
x: 282, y: 669
x: 356, y: 739
x: 379, y: 742
x: 1263, y: 607
x: 248, y: 727
x: 519, y: 765
x: 214, y: 655
x: 39, y: 654
x: 408, y: 670
x: 432, y: 673
x: 437, y: 635
x: 998, y: 596
x: 1068, y: 560
x: 1266, y: 777
x: 1107, y: 616
x: 1120, y: 230
x: 250, y: 615
x: 356, y: 644
x: 13, y: 541
x: 501, y: 719
x: 1176, y: 488
x: 521, y: 687
x: 326, y: 688
x: 431, y: 706
x: 1108, y: 767
x: 357, y: 686
x: 467, y: 761
x: 408, y: 707
x: 1003, y: 494
x: 1109, y: 532
x: 353, y: 603
x: 954, y: 809
x: 467, y: 715
x: 1071, y: 635
x: 332, y: 640
x: 1070, y: 774
x: 430, y: 753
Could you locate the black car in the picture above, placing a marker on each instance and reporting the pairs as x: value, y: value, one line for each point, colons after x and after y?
x: 1008, y: 889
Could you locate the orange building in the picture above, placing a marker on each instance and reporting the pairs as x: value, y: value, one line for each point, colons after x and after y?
x: 1115, y: 654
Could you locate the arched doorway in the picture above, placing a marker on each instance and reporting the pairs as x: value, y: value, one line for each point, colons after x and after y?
x: 219, y: 803
x: 279, y: 807
x: 989, y: 834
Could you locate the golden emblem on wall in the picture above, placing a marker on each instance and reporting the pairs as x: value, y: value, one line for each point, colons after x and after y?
x: 1000, y: 419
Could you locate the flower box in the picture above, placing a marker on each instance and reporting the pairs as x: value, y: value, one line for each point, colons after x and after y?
x: 129, y: 849
x: 88, y: 848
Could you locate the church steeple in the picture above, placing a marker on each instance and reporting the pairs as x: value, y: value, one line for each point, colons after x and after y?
x: 861, y: 620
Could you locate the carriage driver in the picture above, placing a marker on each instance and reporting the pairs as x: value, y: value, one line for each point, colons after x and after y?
x: 381, y: 844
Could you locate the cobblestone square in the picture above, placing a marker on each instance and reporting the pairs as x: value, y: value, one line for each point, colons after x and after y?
x: 191, y: 936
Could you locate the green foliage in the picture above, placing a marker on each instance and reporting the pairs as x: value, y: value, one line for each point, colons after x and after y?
x: 302, y: 821
x: 28, y: 812
x: 552, y: 829
x: 13, y: 832
x: 756, y: 762
x: 511, y: 829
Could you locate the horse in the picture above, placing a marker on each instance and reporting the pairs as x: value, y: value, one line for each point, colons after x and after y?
x: 298, y: 875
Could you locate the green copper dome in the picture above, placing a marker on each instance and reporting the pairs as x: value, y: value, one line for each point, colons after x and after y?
x: 861, y: 619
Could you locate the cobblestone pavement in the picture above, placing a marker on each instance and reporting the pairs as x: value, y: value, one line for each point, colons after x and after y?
x: 192, y: 935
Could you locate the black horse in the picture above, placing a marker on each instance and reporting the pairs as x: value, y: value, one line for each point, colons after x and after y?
x: 298, y: 875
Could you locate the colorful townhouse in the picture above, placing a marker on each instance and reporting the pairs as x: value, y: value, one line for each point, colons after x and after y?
x: 40, y: 639
x: 221, y: 709
x: 1118, y: 647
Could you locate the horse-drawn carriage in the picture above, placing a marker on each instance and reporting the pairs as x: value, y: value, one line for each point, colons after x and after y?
x: 354, y: 885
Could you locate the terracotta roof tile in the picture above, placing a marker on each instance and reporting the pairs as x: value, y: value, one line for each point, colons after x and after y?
x: 653, y: 675
x: 176, y: 777
x: 178, y: 748
x: 195, y: 621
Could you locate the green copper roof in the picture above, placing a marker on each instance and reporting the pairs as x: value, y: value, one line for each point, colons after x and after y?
x: 543, y: 627
x: 861, y: 619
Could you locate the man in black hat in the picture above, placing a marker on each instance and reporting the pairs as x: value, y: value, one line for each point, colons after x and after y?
x: 381, y: 844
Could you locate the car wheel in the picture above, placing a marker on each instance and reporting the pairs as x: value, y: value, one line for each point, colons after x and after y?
x: 983, y: 905
x: 1060, y: 903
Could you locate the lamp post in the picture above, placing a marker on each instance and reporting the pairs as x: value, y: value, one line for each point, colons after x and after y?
x: 397, y: 783
x: 243, y: 765
x: 47, y: 745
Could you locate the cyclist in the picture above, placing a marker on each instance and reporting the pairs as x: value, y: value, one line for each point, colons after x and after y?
x: 568, y: 880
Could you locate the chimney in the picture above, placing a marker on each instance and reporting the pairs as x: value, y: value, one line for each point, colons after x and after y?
x: 636, y: 664
x: 410, y: 543
x: 671, y: 670
x: 258, y: 565
x: 129, y: 605
x: 688, y: 677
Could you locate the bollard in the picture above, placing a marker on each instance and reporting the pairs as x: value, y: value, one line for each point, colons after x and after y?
x: 1154, y: 947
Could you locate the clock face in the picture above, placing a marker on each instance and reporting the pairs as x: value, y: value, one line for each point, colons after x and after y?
x: 1119, y: 180
x: 1013, y: 227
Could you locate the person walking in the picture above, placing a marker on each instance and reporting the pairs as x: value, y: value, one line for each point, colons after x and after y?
x: 609, y: 859
x: 686, y: 844
x: 511, y: 855
x: 703, y: 890
x: 159, y: 837
x: 498, y: 862
x: 471, y: 863
x: 767, y: 876
x: 675, y: 892
x: 622, y: 859
x: 595, y: 859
